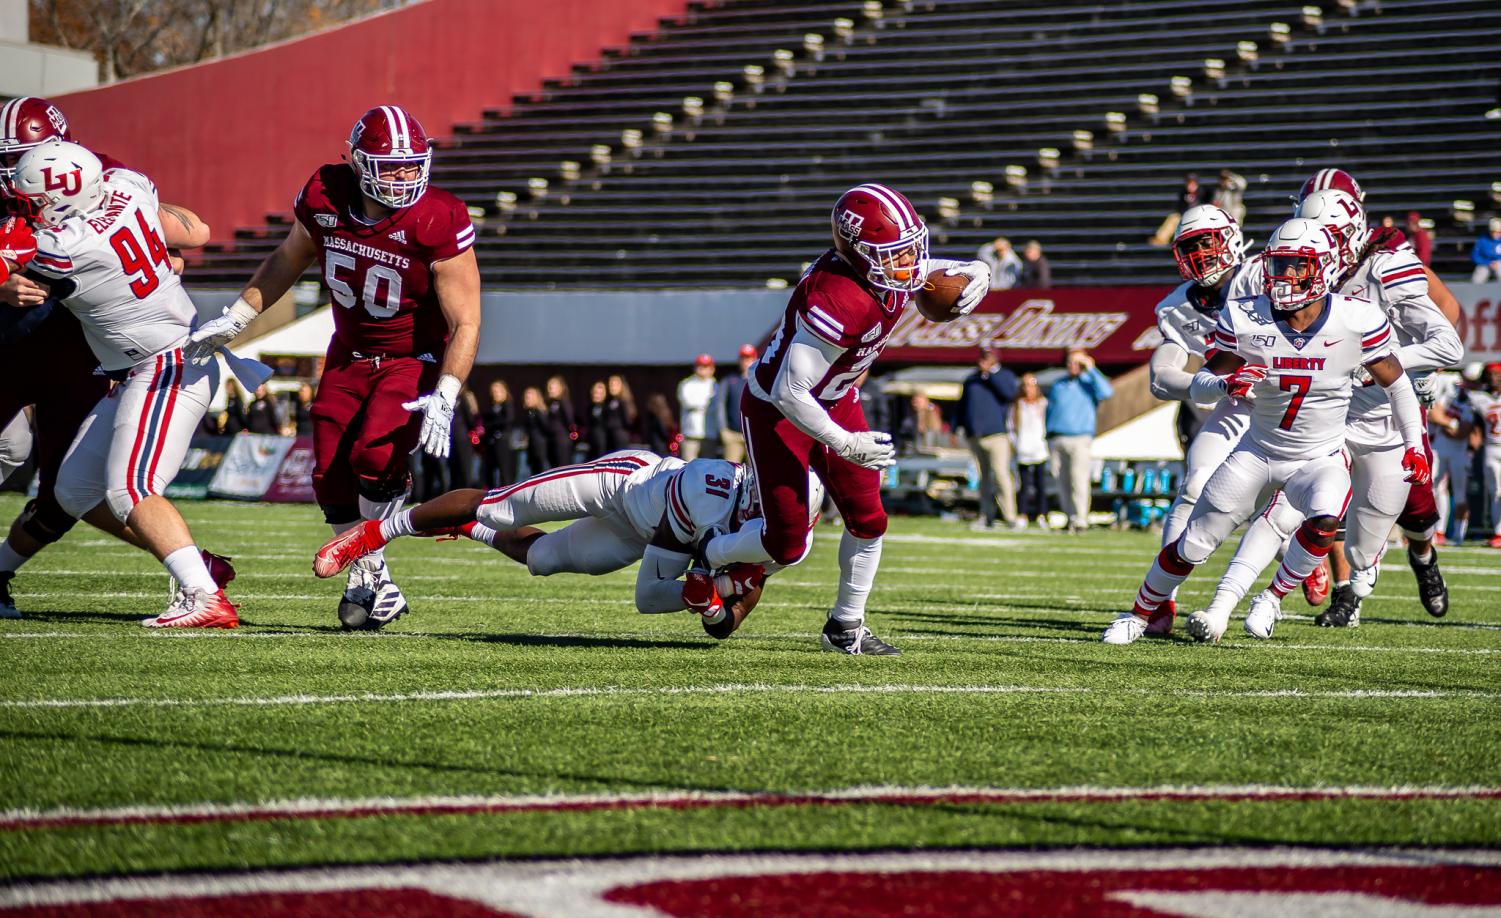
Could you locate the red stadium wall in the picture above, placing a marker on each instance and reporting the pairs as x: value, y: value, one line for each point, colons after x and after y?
x: 235, y: 139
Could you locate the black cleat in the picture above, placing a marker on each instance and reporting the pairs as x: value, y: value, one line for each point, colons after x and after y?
x: 1343, y: 611
x: 1431, y: 587
x: 7, y: 605
x: 858, y: 640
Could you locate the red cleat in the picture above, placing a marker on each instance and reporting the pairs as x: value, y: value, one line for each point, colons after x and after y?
x: 343, y: 550
x: 1316, y: 587
x: 1495, y: 541
x: 219, y: 567
x: 1440, y: 540
x: 1161, y: 621
x: 197, y: 609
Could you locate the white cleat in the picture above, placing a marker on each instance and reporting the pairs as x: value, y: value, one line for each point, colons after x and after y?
x: 1126, y: 629
x: 1363, y: 581
x: 1266, y: 612
x: 1208, y: 626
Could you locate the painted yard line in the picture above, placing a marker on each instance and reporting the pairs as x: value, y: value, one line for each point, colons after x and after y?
x: 241, y: 575
x: 243, y: 595
x: 358, y: 808
x: 723, y: 691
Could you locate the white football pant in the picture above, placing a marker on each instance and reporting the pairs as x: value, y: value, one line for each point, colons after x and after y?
x: 1493, y: 483
x: 15, y: 445
x: 1213, y: 443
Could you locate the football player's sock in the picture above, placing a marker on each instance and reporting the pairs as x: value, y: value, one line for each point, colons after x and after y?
x: 479, y: 532
x: 397, y: 526
x: 186, y: 565
x: 743, y: 545
x: 1168, y: 571
x: 1303, y: 555
x: 379, y: 510
x: 858, y: 560
x: 10, y: 559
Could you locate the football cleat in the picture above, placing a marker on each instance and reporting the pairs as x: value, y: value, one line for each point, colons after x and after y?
x: 1432, y: 589
x: 7, y: 605
x: 1494, y: 541
x: 1266, y: 612
x: 1207, y: 627
x: 858, y: 640
x: 358, y: 598
x: 219, y: 568
x: 1316, y: 587
x: 387, y: 606
x: 350, y: 546
x: 197, y: 609
x: 1343, y: 611
x: 1363, y: 580
x: 1126, y: 629
x: 1161, y: 622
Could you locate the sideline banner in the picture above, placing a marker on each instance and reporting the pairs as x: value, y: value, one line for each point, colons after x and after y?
x: 1480, y: 320
x: 293, y: 482
x: 200, y: 465
x: 250, y: 465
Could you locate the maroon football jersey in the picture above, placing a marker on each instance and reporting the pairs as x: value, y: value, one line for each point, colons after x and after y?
x: 834, y: 303
x: 380, y: 274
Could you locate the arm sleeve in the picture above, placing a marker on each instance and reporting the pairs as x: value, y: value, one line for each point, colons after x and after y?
x: 657, y: 586
x: 808, y: 360
x: 1169, y: 381
x: 1406, y: 410
x: 1436, y: 344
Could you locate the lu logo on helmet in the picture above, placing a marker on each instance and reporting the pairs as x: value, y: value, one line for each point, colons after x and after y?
x: 67, y: 182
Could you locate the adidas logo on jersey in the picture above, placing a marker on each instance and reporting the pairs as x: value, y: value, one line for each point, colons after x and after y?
x: 399, y: 236
x: 327, y: 221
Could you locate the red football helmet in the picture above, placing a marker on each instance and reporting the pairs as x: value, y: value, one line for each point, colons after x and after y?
x: 1332, y: 180
x: 386, y: 143
x: 877, y: 227
x: 24, y: 123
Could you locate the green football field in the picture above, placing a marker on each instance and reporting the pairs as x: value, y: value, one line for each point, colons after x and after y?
x: 510, y: 716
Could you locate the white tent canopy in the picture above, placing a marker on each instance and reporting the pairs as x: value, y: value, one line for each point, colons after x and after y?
x: 1153, y: 435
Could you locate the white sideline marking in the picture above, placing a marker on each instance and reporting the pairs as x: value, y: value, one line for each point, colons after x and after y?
x: 724, y: 690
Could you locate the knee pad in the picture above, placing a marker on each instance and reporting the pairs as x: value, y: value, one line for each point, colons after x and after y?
x: 45, y: 521
x: 380, y: 490
x: 872, y: 527
x: 1190, y: 550
x: 340, y: 514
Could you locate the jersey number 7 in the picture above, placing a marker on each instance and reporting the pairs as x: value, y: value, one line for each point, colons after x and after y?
x: 1299, y: 386
x: 136, y: 258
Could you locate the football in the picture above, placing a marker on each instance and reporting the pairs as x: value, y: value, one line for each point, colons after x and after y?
x: 939, y: 295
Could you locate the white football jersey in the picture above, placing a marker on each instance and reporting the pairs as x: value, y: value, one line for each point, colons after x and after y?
x: 1487, y: 407
x: 1299, y: 409
x: 1186, y: 321
x: 123, y: 291
x: 695, y: 496
x: 1396, y: 282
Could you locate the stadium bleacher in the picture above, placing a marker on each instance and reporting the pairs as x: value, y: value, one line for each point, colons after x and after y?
x: 707, y: 153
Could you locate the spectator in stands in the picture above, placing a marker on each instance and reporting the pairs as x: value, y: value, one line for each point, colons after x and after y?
x: 874, y: 402
x: 1190, y: 195
x: 234, y: 412
x: 661, y: 433
x: 1230, y: 195
x: 727, y: 406
x: 984, y: 416
x: 562, y: 432
x: 1029, y: 434
x: 464, y: 435
x: 1005, y: 267
x: 1036, y: 274
x: 695, y: 395
x: 498, y: 458
x: 922, y: 428
x: 595, y: 430
x: 1073, y: 403
x: 535, y: 423
x: 1418, y: 235
x: 1487, y: 254
x: 265, y: 415
x: 620, y: 413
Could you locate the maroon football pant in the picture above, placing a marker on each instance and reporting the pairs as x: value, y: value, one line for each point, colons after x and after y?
x: 781, y: 456
x: 361, y: 434
x: 53, y: 369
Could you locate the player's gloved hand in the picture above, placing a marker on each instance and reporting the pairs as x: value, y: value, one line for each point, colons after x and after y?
x: 437, y: 416
x: 700, y: 596
x: 215, y: 333
x: 870, y: 449
x: 1427, y: 389
x: 1239, y: 383
x: 1360, y: 376
x: 17, y: 244
x: 739, y: 578
x: 1415, y: 463
x: 978, y: 273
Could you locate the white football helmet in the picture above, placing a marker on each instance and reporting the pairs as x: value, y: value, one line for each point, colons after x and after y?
x: 1208, y: 245
x: 1302, y: 264
x: 1343, y: 216
x: 56, y: 180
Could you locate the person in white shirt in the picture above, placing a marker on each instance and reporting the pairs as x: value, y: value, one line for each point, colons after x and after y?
x: 695, y: 395
x: 1029, y: 432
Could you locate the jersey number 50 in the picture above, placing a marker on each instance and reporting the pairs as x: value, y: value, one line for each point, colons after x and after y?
x: 378, y: 305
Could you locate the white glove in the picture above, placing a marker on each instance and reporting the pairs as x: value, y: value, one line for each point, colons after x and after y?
x: 1427, y: 389
x: 437, y: 416
x: 215, y: 333
x: 1361, y: 376
x: 978, y: 273
x: 870, y: 449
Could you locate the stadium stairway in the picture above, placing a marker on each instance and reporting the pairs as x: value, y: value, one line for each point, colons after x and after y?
x: 707, y: 153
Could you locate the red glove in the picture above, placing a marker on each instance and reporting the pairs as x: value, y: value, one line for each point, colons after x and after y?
x: 700, y: 596
x: 1239, y: 383
x: 1416, y: 465
x: 739, y: 579
x: 17, y: 244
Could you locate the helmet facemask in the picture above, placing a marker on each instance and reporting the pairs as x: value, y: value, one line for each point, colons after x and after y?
x: 378, y: 179
x: 899, y: 265
x: 1205, y: 257
x: 1296, y: 278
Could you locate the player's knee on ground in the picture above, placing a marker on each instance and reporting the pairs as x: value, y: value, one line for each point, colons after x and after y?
x: 1321, y: 531
x: 45, y: 521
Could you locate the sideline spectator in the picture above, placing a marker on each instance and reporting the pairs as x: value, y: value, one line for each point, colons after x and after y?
x: 922, y: 428
x: 695, y: 395
x: 1230, y: 195
x: 536, y: 430
x: 727, y: 406
x: 620, y: 413
x: 595, y: 429
x: 1005, y: 267
x: 984, y: 410
x: 498, y: 465
x: 234, y: 411
x: 657, y: 425
x: 1190, y: 195
x: 1487, y: 254
x: 1029, y: 432
x: 1421, y: 239
x: 302, y: 411
x: 1036, y: 274
x: 1073, y: 403
x: 463, y: 443
x: 265, y: 415
x: 562, y: 432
